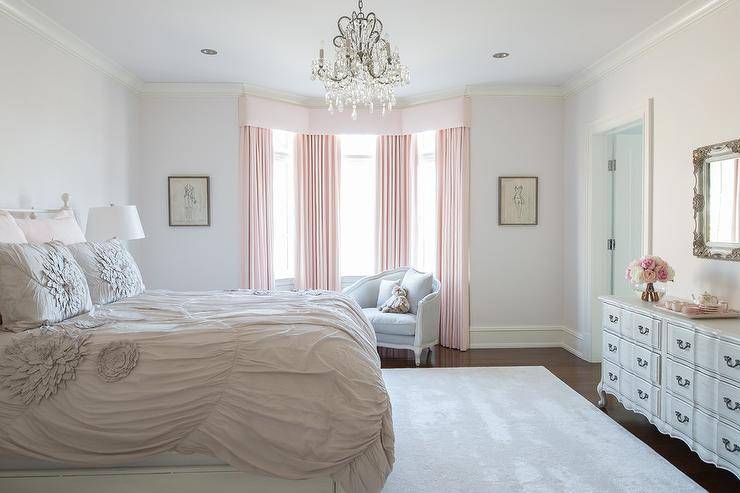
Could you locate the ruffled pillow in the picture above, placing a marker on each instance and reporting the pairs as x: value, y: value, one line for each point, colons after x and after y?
x: 110, y: 270
x: 40, y: 285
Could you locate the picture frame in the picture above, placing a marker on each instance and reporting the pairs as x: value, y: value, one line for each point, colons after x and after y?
x: 518, y: 200
x: 189, y: 200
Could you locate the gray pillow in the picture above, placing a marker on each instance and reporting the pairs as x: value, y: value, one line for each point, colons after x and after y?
x: 40, y: 284
x: 418, y: 285
x: 110, y: 270
x: 385, y: 291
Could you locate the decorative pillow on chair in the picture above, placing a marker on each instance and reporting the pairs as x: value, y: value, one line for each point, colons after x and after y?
x: 110, y: 270
x: 40, y: 284
x: 386, y: 291
x: 418, y: 285
x: 10, y: 232
x: 397, y: 303
x: 62, y: 227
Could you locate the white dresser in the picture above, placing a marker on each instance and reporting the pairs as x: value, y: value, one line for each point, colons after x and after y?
x: 683, y: 375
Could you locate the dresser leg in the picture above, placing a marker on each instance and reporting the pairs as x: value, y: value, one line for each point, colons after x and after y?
x: 602, y: 395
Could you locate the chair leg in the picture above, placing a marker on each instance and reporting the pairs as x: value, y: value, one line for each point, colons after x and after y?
x: 417, y: 355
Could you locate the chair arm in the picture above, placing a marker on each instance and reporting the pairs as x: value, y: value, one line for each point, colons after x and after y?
x: 427, y: 320
x: 364, y: 292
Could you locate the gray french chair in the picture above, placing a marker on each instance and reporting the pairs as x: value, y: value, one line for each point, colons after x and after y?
x: 414, y: 331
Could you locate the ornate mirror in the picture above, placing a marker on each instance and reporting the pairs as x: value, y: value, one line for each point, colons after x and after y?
x: 717, y: 201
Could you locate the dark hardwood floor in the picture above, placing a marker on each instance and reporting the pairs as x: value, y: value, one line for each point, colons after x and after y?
x: 582, y: 377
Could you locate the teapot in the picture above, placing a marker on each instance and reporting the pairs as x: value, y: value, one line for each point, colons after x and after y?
x: 705, y: 299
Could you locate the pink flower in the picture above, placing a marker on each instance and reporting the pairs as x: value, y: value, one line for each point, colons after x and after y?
x: 647, y: 263
x: 662, y: 274
x: 650, y: 276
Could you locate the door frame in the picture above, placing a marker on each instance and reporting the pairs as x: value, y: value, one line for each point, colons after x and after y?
x: 597, y: 267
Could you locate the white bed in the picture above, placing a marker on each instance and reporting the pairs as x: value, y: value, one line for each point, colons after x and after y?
x: 285, y: 388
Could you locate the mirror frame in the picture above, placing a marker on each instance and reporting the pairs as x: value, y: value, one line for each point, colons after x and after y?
x: 702, y: 156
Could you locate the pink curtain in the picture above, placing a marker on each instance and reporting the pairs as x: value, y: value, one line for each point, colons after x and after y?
x: 453, y: 216
x: 394, y: 160
x: 256, y: 185
x: 317, y: 212
x: 736, y: 203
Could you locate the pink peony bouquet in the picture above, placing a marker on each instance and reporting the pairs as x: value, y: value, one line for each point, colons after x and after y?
x: 649, y: 269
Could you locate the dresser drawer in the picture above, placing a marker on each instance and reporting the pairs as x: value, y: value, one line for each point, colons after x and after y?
x: 681, y: 342
x: 611, y: 375
x: 728, y: 443
x: 642, y: 329
x: 729, y: 360
x: 691, y: 384
x: 642, y: 393
x: 680, y: 416
x: 728, y: 403
x: 612, y: 345
x: 640, y: 361
x: 611, y: 318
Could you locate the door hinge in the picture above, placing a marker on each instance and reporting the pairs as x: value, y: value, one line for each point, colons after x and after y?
x: 612, y: 165
x: 611, y: 244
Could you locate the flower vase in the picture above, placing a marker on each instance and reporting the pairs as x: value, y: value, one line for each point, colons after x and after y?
x: 650, y: 294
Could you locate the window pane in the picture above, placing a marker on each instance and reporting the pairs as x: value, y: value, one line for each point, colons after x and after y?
x: 357, y: 208
x: 424, y: 221
x: 283, y: 204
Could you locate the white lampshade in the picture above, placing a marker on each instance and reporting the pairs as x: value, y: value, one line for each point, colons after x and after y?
x: 115, y: 221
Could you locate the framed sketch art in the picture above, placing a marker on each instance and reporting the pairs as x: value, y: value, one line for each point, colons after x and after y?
x: 517, y: 200
x: 189, y: 200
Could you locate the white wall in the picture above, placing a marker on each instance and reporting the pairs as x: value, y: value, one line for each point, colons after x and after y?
x: 693, y: 77
x: 516, y: 271
x: 189, y: 136
x: 64, y: 127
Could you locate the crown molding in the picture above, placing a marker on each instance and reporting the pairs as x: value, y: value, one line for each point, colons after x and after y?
x: 27, y: 16
x: 673, y: 23
x: 515, y: 90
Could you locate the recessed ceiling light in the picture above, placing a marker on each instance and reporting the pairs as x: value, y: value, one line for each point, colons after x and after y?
x: 208, y: 51
x: 501, y: 54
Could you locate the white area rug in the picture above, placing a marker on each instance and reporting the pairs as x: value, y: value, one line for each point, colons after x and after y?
x: 513, y: 429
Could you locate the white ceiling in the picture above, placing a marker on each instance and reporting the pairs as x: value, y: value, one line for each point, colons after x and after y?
x: 446, y: 44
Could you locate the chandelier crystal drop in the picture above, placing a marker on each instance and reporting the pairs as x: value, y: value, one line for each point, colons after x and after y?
x: 365, y: 69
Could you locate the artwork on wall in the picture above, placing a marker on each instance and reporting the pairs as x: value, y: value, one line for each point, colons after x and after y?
x: 517, y: 200
x: 189, y: 200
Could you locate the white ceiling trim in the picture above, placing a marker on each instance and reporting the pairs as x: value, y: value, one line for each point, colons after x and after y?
x: 34, y: 20
x: 671, y: 24
x: 31, y: 18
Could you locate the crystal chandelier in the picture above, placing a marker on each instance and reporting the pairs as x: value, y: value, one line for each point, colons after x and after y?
x: 365, y: 69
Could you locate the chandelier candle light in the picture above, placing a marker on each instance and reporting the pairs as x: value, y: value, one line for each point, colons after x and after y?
x: 365, y: 69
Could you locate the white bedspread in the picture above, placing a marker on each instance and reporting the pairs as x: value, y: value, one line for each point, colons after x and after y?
x: 282, y: 384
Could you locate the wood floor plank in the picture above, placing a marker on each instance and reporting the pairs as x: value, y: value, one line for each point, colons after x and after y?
x: 582, y: 377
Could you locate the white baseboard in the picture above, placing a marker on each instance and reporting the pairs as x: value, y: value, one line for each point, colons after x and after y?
x: 526, y: 336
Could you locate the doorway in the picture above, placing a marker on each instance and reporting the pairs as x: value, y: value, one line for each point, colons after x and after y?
x: 625, y: 204
x: 618, y: 211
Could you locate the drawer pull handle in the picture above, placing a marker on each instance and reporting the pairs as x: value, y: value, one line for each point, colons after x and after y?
x: 729, y: 362
x: 681, y: 418
x: 643, y: 330
x: 642, y: 363
x: 683, y: 345
x: 642, y: 395
x: 612, y: 377
x: 734, y: 448
x: 683, y: 382
x: 612, y: 348
x: 728, y: 403
x: 613, y: 319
